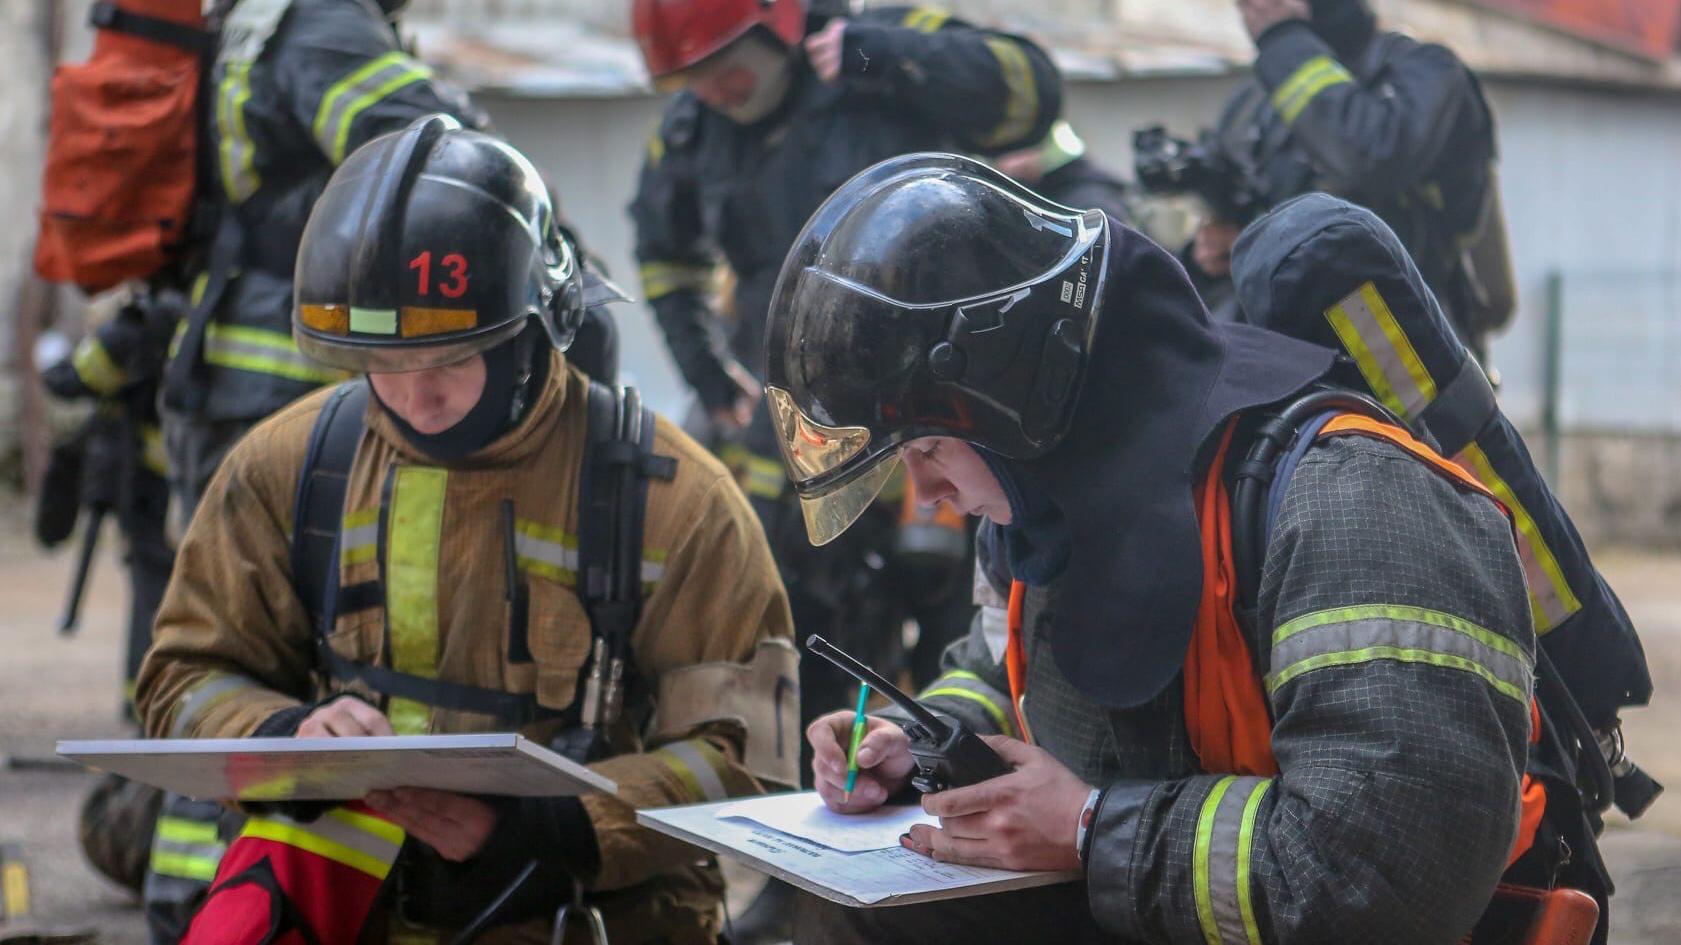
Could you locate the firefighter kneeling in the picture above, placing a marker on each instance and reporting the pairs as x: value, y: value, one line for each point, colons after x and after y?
x: 445, y: 567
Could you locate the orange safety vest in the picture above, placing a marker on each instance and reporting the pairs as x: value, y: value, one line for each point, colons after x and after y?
x: 287, y: 882
x: 1226, y: 711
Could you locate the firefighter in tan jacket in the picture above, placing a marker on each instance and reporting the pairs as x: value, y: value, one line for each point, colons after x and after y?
x: 432, y: 263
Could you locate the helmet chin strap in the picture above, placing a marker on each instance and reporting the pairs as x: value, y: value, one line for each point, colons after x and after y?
x: 514, y: 369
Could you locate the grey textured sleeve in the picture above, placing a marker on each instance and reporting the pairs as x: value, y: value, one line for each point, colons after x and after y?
x: 1400, y: 653
x: 973, y: 685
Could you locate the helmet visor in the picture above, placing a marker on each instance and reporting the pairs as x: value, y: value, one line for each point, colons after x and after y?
x: 321, y: 334
x: 813, y: 452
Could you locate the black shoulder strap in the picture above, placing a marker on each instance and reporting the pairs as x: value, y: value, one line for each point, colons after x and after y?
x: 318, y: 511
x: 612, y: 506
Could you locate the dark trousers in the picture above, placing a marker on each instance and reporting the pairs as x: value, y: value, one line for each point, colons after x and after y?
x: 1057, y: 914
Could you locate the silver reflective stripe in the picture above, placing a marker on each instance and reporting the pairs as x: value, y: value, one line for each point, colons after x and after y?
x: 186, y: 848
x: 204, y: 697
x: 552, y: 553
x: 700, y: 767
x: 1222, y: 880
x: 359, y: 537
x: 1364, y: 633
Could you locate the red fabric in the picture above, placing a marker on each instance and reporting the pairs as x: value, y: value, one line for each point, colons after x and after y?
x: 117, y: 190
x: 1225, y: 708
x: 335, y: 899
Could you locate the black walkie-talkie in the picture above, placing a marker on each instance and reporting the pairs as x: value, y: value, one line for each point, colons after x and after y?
x: 947, y: 754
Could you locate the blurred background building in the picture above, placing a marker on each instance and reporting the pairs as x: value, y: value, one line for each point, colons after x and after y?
x: 1587, y: 95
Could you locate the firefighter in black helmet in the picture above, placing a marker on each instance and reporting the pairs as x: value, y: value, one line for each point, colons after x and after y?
x: 456, y: 597
x: 1053, y: 372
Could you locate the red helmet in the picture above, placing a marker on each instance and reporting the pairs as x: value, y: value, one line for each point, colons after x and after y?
x: 676, y: 34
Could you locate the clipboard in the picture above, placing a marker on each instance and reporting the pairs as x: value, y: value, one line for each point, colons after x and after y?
x: 867, y: 880
x: 340, y: 769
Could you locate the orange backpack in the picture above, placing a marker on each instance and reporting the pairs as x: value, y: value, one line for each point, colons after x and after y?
x: 122, y: 146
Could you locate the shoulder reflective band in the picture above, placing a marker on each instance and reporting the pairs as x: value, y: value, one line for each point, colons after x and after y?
x: 236, y: 153
x: 925, y: 19
x: 698, y: 765
x: 94, y: 366
x: 411, y: 595
x: 1364, y: 633
x: 1391, y: 367
x: 1314, y: 76
x: 1021, y: 104
x: 360, y: 841
x: 1222, y: 883
x: 962, y: 684
x: 186, y: 848
x: 262, y: 351
x: 355, y: 93
x: 198, y: 700
x: 1386, y: 358
x: 1551, y: 600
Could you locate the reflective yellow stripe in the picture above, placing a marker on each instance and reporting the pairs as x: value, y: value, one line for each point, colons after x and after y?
x: 262, y: 351
x: 656, y: 148
x: 239, y: 175
x: 359, y: 537
x: 698, y: 765
x: 355, y: 93
x: 94, y: 366
x: 183, y: 830
x: 1346, y: 636
x: 757, y: 475
x: 998, y: 717
x: 185, y: 865
x: 411, y: 596
x: 1314, y: 76
x: 1551, y: 600
x: 661, y: 279
x: 199, y: 699
x: 336, y: 841
x: 926, y: 19
x: 1220, y: 861
x: 1385, y: 356
x: 1021, y: 106
x: 152, y: 453
x: 379, y: 827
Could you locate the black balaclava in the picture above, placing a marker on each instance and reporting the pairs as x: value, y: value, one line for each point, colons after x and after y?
x: 513, y: 371
x: 1348, y: 25
x: 1036, y: 540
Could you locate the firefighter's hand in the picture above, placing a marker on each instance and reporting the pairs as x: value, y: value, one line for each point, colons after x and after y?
x: 884, y: 761
x: 344, y: 717
x: 455, y: 825
x: 1024, y: 820
x: 1211, y: 248
x: 823, y: 49
x: 1262, y: 15
x: 733, y: 419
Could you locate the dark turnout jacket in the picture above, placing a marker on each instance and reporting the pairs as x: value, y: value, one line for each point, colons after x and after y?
x: 282, y: 113
x: 912, y: 79
x: 1401, y: 127
x: 1395, y: 647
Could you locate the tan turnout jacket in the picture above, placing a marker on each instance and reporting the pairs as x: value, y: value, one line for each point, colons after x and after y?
x: 234, y: 645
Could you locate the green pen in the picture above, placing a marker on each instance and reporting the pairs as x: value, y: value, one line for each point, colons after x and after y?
x: 857, y: 736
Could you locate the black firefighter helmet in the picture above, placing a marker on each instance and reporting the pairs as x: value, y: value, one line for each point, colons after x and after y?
x: 428, y: 246
x: 929, y: 296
